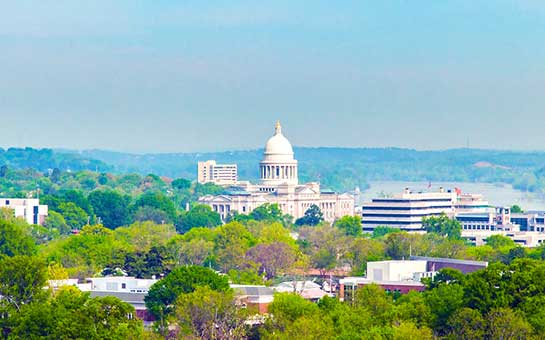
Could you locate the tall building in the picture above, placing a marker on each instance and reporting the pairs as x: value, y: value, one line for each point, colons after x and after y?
x: 27, y: 208
x: 279, y: 184
x: 220, y: 174
x: 405, y: 211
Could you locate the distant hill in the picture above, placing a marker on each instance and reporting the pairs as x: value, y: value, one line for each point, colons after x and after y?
x: 345, y: 168
x: 45, y: 159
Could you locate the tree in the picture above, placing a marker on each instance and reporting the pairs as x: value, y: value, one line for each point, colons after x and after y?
x: 72, y: 314
x: 181, y: 184
x: 382, y: 231
x: 74, y: 216
x: 232, y: 241
x: 111, y: 207
x: 313, y: 216
x: 516, y: 209
x: 159, y: 201
x: 504, y: 323
x: 288, y: 307
x: 55, y: 221
x: 22, y: 279
x: 374, y: 299
x: 267, y: 212
x: 199, y: 216
x: 55, y: 175
x: 351, y: 225
x: 443, y: 225
x: 272, y: 257
x: 466, y: 324
x: 15, y: 239
x: 500, y: 241
x: 147, y: 213
x: 209, y: 314
x: 3, y: 171
x: 181, y: 280
x: 444, y: 301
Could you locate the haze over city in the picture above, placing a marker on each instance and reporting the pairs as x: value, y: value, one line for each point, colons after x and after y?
x: 169, y: 76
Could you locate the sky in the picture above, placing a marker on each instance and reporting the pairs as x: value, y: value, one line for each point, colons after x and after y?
x: 186, y: 76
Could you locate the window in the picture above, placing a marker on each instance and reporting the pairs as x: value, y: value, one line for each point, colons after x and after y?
x: 123, y: 286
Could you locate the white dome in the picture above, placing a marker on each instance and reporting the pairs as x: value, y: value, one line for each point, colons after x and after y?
x: 278, y: 144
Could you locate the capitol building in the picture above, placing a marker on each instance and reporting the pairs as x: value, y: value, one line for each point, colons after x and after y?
x: 279, y: 184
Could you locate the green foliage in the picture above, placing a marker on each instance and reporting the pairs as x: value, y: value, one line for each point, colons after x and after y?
x: 15, y: 239
x: 351, y: 225
x: 71, y: 314
x: 74, y: 216
x: 199, y: 216
x: 181, y: 280
x: 313, y: 216
x: 382, y: 231
x: 181, y: 184
x: 111, y: 207
x: 499, y: 241
x: 22, y: 279
x: 288, y: 307
x: 55, y: 221
x: 158, y: 201
x: 443, y: 225
x: 516, y: 209
x: 209, y: 314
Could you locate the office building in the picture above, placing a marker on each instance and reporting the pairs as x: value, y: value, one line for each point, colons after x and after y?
x: 28, y: 209
x: 219, y: 174
x: 406, y: 210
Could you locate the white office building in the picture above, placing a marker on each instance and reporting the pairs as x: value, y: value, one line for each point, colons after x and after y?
x: 406, y: 210
x: 28, y: 209
x: 219, y: 174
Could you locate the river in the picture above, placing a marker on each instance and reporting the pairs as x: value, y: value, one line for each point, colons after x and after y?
x: 495, y: 194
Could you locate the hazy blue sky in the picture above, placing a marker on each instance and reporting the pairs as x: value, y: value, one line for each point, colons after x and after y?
x: 156, y: 76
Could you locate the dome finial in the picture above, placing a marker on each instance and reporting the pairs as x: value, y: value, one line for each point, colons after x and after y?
x: 278, y: 128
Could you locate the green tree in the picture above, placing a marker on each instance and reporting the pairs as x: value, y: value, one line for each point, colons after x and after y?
x: 111, y: 207
x: 267, y: 212
x: 22, y: 279
x: 199, y: 216
x: 55, y: 221
x: 15, y: 239
x: 4, y: 171
x: 351, y: 225
x: 181, y: 280
x: 444, y: 301
x: 516, y: 209
x: 74, y: 216
x: 209, y: 314
x: 158, y: 201
x: 443, y: 225
x: 504, y: 323
x: 500, y: 241
x: 181, y: 184
x: 313, y: 216
x: 72, y: 314
x: 466, y: 324
x: 288, y: 307
x: 382, y: 231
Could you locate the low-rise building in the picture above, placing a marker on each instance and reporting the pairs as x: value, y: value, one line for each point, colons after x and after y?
x: 254, y: 296
x: 128, y: 289
x: 28, y: 209
x: 403, y: 276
